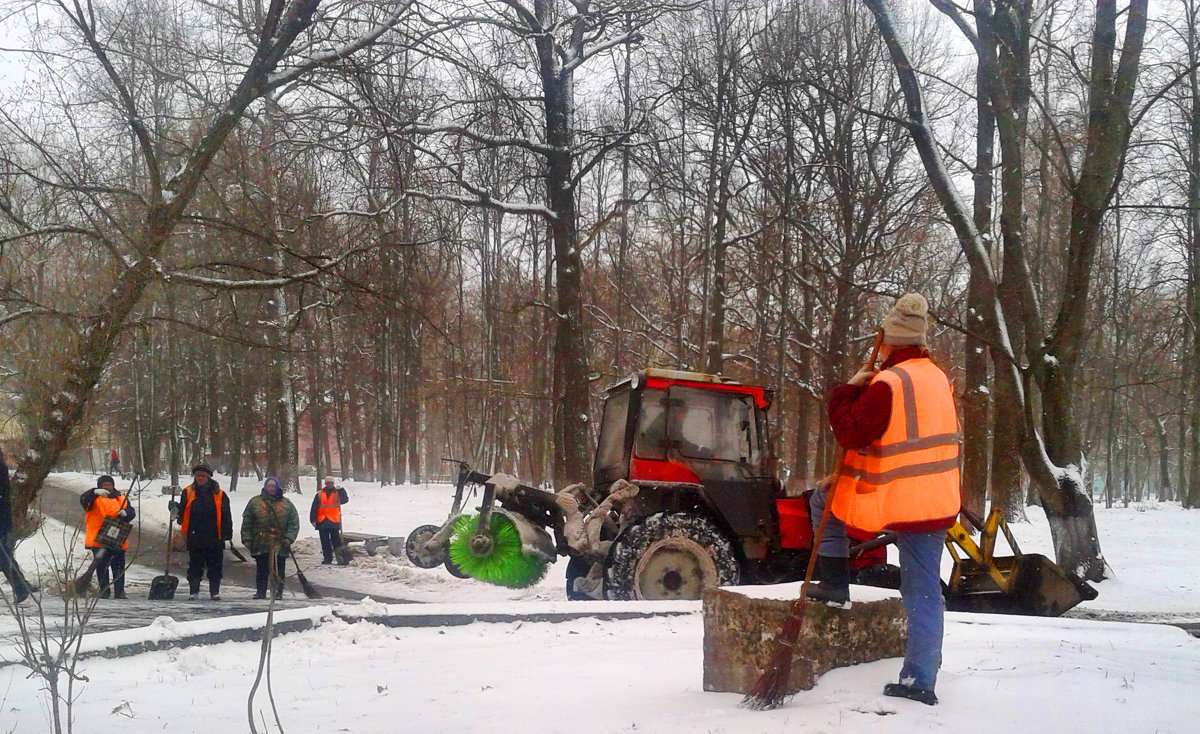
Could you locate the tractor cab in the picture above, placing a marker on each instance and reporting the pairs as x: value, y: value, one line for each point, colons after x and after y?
x: 693, y: 437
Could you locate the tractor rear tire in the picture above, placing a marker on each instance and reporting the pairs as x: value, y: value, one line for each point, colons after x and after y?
x: 670, y: 556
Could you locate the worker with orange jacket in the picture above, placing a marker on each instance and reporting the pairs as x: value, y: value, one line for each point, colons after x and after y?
x: 900, y: 473
x: 326, y: 516
x: 99, y: 503
x: 207, y: 523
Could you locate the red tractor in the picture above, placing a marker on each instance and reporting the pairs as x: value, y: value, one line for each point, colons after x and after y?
x: 685, y: 497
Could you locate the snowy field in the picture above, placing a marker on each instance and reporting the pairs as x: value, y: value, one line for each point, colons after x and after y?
x: 1001, y: 674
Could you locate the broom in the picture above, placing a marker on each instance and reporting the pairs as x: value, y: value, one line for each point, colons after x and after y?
x: 505, y: 564
x: 309, y: 590
x: 770, y: 691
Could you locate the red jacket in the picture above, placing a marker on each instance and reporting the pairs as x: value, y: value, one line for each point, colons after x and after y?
x: 860, y: 415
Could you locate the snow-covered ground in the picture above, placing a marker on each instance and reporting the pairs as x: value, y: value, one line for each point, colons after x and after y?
x: 1001, y: 674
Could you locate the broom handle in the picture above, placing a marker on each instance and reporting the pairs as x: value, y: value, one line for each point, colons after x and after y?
x: 170, y: 534
x: 798, y: 605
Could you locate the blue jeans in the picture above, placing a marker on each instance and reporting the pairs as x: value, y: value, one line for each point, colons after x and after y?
x: 920, y: 588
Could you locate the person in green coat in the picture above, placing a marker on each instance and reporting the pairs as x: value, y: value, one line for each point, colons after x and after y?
x: 270, y: 525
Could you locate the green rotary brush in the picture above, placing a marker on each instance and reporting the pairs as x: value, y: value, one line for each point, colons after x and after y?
x: 504, y: 564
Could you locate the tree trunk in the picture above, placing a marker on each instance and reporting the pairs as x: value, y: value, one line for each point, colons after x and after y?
x: 571, y: 376
x: 976, y: 394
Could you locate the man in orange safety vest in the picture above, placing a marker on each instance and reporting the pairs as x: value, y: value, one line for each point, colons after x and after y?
x: 899, y: 429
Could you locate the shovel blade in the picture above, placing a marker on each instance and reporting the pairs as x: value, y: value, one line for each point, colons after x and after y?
x: 1041, y: 588
x: 162, y: 588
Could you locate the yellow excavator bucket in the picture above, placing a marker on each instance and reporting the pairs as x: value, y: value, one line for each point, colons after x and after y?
x: 1023, y: 583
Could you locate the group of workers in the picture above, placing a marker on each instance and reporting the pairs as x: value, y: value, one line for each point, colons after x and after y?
x: 270, y: 524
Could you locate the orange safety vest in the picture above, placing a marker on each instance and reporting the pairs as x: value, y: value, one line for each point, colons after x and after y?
x: 330, y: 507
x: 103, y: 507
x: 909, y: 476
x: 189, y: 496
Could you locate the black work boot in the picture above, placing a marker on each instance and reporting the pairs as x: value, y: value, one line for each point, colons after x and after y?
x: 834, y: 587
x: 920, y: 695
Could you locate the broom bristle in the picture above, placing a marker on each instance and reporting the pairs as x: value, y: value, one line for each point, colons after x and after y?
x: 506, y: 565
x: 771, y: 689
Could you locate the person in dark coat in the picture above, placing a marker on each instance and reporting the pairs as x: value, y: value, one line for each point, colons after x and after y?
x: 207, y: 523
x: 99, y: 503
x: 8, y: 540
x: 326, y: 517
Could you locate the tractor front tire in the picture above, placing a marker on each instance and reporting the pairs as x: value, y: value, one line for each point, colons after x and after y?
x: 670, y: 556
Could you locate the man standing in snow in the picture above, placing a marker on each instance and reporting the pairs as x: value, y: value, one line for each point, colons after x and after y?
x: 270, y: 525
x: 99, y: 503
x: 326, y: 516
x: 900, y: 432
x: 8, y: 539
x: 206, y: 522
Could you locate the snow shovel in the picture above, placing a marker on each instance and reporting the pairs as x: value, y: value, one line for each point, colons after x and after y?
x: 112, y: 535
x: 236, y: 553
x: 162, y: 588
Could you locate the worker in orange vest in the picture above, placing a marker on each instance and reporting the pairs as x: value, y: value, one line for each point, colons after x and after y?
x: 207, y: 523
x: 326, y: 516
x: 900, y: 473
x: 99, y: 503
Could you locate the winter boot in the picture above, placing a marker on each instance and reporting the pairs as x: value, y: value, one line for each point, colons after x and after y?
x: 834, y: 587
x: 214, y: 590
x: 920, y: 695
x: 260, y: 595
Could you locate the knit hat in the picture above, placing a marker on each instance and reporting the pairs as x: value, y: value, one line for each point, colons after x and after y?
x: 202, y: 467
x: 105, y: 478
x: 278, y: 487
x: 907, y: 323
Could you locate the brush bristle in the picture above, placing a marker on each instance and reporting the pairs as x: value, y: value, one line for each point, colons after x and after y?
x: 770, y: 690
x: 506, y: 565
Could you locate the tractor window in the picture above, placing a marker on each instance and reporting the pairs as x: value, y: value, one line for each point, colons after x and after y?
x: 651, y: 440
x: 712, y: 425
x: 610, y: 449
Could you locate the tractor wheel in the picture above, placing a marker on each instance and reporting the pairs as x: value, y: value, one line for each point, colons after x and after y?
x: 454, y: 570
x: 577, y: 568
x: 414, y: 547
x: 670, y: 556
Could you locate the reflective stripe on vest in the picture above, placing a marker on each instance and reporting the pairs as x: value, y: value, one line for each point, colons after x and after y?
x: 911, y: 473
x: 103, y: 507
x: 330, y: 508
x: 189, y: 496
